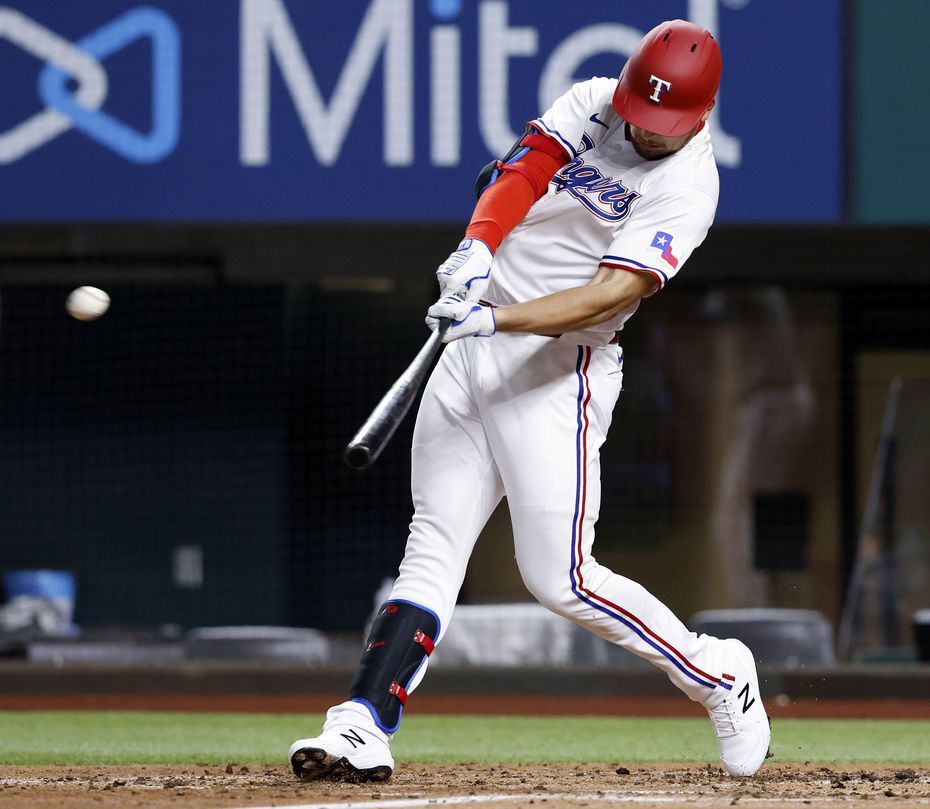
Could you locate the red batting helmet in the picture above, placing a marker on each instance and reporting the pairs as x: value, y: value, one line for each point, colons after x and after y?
x: 670, y: 79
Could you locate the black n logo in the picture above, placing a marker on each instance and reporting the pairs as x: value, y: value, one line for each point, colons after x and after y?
x: 747, y: 703
x: 352, y: 737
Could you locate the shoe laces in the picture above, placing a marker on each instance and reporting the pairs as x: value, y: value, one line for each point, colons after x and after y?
x: 725, y: 719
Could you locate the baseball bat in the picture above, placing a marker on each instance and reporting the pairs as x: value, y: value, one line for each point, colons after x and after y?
x: 366, y: 445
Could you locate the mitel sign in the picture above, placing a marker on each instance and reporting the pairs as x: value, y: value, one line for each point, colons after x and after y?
x: 387, y: 32
x: 81, y: 108
x: 380, y: 110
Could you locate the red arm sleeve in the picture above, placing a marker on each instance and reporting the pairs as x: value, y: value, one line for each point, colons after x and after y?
x: 506, y: 201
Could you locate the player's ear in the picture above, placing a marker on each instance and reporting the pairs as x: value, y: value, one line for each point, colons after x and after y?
x: 706, y: 113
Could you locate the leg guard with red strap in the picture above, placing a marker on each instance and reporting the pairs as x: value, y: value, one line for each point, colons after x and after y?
x: 400, y: 641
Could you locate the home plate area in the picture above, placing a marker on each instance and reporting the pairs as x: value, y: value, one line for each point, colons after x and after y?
x: 555, y: 786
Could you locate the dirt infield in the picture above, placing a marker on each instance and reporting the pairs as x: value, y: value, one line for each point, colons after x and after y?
x: 556, y: 786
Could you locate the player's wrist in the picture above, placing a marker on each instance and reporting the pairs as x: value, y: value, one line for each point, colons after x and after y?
x: 487, y: 321
x: 486, y: 233
x: 476, y: 246
x: 503, y: 318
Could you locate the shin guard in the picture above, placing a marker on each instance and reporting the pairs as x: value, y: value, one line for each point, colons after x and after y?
x: 400, y: 641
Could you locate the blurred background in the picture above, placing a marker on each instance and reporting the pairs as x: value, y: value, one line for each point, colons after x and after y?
x: 265, y: 187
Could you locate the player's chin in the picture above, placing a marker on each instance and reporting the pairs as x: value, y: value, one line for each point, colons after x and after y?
x: 647, y: 150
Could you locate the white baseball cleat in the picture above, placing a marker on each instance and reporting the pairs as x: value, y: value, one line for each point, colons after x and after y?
x: 740, y: 721
x: 350, y: 748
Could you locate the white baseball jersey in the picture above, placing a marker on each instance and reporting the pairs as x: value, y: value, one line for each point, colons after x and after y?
x: 607, y: 206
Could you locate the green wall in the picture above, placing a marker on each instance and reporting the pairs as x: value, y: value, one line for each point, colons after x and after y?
x: 891, y: 96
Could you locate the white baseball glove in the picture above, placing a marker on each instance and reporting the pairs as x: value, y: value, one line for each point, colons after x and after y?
x: 466, y: 318
x: 467, y: 271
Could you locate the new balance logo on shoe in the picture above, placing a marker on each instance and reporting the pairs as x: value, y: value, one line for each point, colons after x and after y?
x: 352, y: 737
x: 747, y: 703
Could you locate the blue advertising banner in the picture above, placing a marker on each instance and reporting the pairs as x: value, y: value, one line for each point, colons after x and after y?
x: 375, y: 110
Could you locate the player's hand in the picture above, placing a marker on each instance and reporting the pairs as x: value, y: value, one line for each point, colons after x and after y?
x: 467, y: 272
x: 466, y: 318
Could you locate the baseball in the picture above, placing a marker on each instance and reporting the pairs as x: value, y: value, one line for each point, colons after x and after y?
x: 87, y: 303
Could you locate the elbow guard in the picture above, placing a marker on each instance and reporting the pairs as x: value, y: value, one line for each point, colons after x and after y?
x: 530, y: 139
x: 487, y: 176
x: 489, y: 173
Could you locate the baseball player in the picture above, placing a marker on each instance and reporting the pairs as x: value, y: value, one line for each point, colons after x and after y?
x: 598, y: 205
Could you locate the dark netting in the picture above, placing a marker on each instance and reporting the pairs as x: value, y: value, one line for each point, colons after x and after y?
x: 182, y: 454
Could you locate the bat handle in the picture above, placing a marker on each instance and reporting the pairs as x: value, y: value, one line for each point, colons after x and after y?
x: 373, y: 435
x: 433, y: 345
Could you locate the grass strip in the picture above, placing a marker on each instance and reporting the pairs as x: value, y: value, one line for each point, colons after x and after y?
x: 122, y: 737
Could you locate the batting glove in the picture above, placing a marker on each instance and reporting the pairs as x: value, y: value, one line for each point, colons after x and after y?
x: 467, y: 272
x: 466, y: 318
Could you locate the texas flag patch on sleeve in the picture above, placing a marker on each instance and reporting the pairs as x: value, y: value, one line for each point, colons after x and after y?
x: 663, y: 241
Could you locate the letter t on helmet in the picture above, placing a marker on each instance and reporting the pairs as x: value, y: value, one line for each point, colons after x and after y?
x: 670, y: 79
